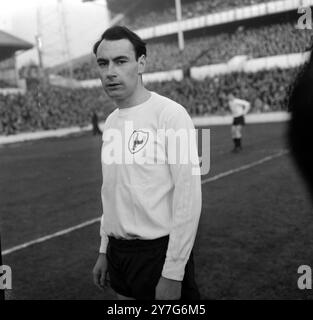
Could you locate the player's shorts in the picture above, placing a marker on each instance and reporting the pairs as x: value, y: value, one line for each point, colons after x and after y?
x: 135, y: 267
x: 239, y: 121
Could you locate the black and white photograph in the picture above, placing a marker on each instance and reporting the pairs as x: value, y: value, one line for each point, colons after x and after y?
x: 156, y: 150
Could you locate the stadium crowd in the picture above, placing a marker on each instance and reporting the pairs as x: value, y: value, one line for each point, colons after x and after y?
x: 266, y: 90
x: 255, y: 42
x: 82, y: 70
x: 4, y: 84
x: 143, y: 16
x: 45, y: 108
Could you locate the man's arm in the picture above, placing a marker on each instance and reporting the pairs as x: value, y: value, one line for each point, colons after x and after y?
x: 104, y: 238
x: 100, y: 272
x: 186, y: 202
x: 100, y: 269
x: 246, y: 105
x: 103, y: 235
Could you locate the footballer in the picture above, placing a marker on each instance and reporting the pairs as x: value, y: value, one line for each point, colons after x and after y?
x: 151, y: 209
x: 239, y: 108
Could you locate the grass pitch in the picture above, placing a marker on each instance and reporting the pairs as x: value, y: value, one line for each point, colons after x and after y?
x: 256, y: 226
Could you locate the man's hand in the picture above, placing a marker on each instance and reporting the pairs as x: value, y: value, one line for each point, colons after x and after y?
x: 168, y: 289
x: 100, y: 272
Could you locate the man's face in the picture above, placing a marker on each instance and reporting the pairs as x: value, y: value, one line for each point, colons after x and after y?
x: 118, y: 68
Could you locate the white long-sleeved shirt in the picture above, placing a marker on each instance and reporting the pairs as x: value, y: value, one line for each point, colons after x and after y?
x: 146, y: 194
x: 239, y: 107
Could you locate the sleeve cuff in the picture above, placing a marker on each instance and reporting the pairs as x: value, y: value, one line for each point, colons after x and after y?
x: 174, y: 270
x: 104, y: 244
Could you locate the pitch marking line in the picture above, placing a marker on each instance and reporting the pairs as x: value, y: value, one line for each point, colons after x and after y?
x: 50, y: 236
x: 90, y: 222
x: 245, y: 167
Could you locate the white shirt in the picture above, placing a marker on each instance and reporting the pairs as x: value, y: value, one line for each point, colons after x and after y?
x: 150, y: 200
x: 239, y: 107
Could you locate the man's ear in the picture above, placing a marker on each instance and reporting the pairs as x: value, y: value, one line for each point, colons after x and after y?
x: 141, y: 64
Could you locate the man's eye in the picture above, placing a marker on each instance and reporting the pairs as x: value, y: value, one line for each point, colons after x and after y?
x: 121, y: 61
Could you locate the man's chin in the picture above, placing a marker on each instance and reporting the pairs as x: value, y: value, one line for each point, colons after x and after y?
x: 114, y: 94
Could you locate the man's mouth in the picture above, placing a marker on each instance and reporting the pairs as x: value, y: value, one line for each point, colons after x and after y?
x: 113, y: 85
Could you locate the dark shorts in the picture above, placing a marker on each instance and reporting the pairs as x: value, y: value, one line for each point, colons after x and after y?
x: 239, y: 121
x: 135, y: 267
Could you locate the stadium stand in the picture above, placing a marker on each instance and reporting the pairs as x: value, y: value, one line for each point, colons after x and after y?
x: 4, y: 84
x: 82, y: 70
x: 9, y: 44
x: 43, y: 108
x: 254, y: 42
x: 267, y: 90
x: 164, y: 11
x: 50, y: 107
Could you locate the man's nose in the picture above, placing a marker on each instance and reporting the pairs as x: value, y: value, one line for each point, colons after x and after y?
x: 111, y: 70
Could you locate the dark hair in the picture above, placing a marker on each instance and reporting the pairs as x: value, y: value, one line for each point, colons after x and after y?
x: 300, y: 131
x: 121, y: 32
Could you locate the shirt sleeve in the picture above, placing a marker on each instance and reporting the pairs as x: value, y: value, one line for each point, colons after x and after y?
x: 103, y: 235
x: 245, y: 104
x: 104, y: 239
x: 184, y: 167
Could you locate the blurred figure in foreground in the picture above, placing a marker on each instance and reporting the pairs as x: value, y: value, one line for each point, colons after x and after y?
x: 1, y: 290
x: 300, y: 132
x: 239, y: 109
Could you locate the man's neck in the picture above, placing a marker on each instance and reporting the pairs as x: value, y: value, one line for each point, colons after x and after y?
x: 139, y: 97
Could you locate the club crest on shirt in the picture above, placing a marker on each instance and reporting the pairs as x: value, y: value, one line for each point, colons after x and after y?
x: 137, y: 140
